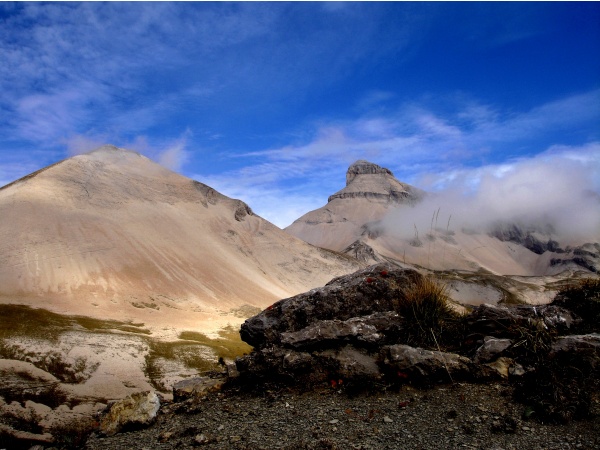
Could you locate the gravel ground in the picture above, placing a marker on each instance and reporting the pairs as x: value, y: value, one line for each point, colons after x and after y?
x: 470, y: 416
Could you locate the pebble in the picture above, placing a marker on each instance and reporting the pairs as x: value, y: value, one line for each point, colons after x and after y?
x: 312, y: 423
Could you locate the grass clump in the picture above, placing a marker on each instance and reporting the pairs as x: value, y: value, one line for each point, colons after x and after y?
x: 73, y: 434
x: 583, y: 299
x: 430, y: 321
x: 228, y: 345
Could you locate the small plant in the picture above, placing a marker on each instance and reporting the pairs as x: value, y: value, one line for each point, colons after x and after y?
x: 582, y: 298
x: 430, y: 321
x: 73, y: 434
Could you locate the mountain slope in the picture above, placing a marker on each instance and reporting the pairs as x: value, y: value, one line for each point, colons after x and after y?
x: 113, y: 234
x: 373, y: 219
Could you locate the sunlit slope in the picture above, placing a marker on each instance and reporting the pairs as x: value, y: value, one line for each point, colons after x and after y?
x: 114, y: 232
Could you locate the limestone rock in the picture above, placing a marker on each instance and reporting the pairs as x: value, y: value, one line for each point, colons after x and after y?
x: 500, y: 321
x: 491, y: 349
x: 577, y: 343
x: 138, y: 410
x: 368, y: 291
x: 196, y: 387
x: 364, y: 331
x: 417, y: 363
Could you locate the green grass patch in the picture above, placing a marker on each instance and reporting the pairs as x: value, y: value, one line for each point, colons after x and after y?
x: 228, y: 345
x: 20, y: 320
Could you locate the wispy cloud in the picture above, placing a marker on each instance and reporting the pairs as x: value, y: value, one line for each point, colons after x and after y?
x: 417, y: 144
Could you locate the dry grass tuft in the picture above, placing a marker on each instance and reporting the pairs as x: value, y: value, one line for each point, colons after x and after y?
x: 430, y: 321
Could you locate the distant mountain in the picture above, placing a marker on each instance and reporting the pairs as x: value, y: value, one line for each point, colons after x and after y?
x: 360, y: 219
x: 114, y: 235
x: 370, y: 192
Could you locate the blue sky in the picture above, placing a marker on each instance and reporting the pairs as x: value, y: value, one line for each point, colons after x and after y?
x: 270, y: 102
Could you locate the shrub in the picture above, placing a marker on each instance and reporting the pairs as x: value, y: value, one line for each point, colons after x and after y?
x: 430, y: 321
x: 582, y: 298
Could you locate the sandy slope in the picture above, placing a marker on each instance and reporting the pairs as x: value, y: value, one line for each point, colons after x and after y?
x: 111, y: 234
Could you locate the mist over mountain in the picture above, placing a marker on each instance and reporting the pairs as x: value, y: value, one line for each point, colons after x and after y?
x: 553, y: 196
x: 530, y: 218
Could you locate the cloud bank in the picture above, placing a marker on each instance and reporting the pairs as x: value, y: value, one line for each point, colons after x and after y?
x: 559, y: 188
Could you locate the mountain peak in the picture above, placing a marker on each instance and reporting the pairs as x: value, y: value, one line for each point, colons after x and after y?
x: 363, y: 167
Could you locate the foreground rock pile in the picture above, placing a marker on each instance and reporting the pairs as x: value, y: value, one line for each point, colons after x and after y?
x: 332, y: 369
x: 355, y: 332
x: 343, y: 366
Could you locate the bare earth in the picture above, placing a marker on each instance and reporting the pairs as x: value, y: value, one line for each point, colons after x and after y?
x: 447, y: 417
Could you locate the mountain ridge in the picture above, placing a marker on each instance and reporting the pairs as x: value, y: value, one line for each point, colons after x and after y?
x: 112, y: 228
x: 361, y: 220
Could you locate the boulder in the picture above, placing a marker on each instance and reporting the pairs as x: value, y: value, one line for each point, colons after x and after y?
x: 501, y: 321
x: 491, y: 349
x: 577, y: 343
x: 375, y: 289
x: 138, y: 410
x: 196, y: 387
x: 275, y: 363
x: 366, y: 331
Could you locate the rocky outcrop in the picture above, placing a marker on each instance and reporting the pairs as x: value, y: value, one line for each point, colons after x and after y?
x: 372, y: 290
x: 370, y: 181
x: 354, y: 330
x: 135, y: 411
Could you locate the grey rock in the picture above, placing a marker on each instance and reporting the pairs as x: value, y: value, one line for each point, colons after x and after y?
x: 349, y: 363
x: 491, y: 349
x: 418, y: 364
x: 135, y: 411
x: 371, y: 290
x: 577, y: 343
x: 500, y: 321
x: 361, y: 331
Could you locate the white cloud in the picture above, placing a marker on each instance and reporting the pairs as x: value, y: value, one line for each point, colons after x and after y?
x: 556, y: 187
x: 427, y: 150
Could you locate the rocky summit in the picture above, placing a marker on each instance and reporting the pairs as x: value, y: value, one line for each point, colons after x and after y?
x: 370, y: 191
x: 377, y: 218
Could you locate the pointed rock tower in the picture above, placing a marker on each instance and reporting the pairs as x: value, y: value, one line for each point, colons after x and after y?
x: 370, y: 191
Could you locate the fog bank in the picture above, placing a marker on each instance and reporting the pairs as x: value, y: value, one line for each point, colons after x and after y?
x: 557, y: 192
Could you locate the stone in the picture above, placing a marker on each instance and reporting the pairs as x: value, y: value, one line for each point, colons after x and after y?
x: 577, y: 343
x: 418, y: 364
x: 502, y: 366
x: 138, y: 410
x: 491, y: 349
x: 349, y: 363
x: 196, y: 387
x: 359, y: 294
x: 366, y: 331
x: 500, y: 321
x: 18, y: 435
